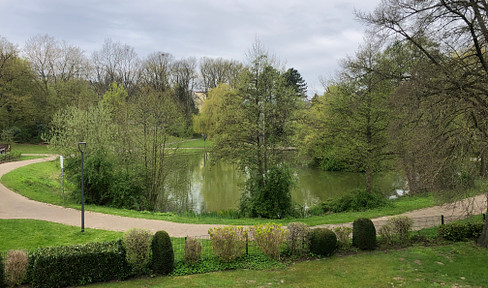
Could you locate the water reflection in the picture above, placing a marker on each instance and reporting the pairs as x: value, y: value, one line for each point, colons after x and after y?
x: 200, y: 187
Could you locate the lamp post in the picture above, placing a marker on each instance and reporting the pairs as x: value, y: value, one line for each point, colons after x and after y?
x: 82, y: 147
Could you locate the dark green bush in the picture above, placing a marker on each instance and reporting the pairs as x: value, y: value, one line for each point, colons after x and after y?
x: 364, y: 234
x: 359, y: 200
x: 268, y: 196
x: 162, y: 253
x: 323, y: 241
x: 2, y: 273
x: 79, y: 265
x: 460, y: 231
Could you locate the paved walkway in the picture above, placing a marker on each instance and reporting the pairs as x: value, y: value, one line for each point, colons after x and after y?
x: 15, y: 206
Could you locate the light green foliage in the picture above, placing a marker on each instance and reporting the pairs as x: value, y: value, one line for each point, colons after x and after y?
x: 229, y: 242
x: 270, y: 238
x: 137, y: 243
x: 298, y: 240
x: 193, y: 250
x: 16, y: 263
x: 343, y: 234
x: 211, y: 111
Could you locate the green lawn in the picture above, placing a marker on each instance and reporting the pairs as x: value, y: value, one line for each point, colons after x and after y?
x: 33, y: 234
x: 455, y: 265
x: 31, y: 148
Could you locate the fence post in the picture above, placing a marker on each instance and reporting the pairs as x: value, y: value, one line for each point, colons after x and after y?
x: 484, y: 217
x: 247, y: 244
x: 442, y: 219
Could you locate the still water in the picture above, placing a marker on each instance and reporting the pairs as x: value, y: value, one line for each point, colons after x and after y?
x: 196, y: 185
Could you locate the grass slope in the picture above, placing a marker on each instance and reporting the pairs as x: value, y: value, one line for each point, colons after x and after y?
x: 32, y: 234
x: 454, y: 265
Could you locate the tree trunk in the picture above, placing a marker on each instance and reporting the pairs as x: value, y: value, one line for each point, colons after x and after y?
x: 483, y: 240
x: 368, y: 179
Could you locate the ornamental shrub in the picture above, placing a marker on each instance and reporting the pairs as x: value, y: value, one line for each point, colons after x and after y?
x: 269, y: 238
x: 460, y: 231
x: 359, y: 200
x: 364, y: 234
x: 79, y: 265
x: 343, y: 236
x: 386, y: 234
x: 298, y: 241
x: 228, y: 242
x: 193, y: 250
x: 16, y: 263
x: 401, y: 226
x: 162, y: 253
x: 138, y: 245
x: 323, y: 241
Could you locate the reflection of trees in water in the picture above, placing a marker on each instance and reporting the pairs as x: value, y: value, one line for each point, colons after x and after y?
x: 194, y: 184
x: 221, y: 186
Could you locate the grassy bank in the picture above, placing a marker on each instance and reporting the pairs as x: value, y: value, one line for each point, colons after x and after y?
x: 32, y: 234
x: 42, y: 182
x: 454, y: 265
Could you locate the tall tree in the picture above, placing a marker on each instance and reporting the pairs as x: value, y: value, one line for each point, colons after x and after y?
x: 255, y: 124
x: 214, y: 72
x: 460, y: 29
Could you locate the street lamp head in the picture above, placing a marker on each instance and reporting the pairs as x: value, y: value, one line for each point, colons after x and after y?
x: 82, y: 146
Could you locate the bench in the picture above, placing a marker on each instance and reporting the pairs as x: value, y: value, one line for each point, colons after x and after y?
x: 4, y: 148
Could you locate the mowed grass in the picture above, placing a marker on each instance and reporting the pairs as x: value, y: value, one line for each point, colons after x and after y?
x: 33, y: 234
x: 455, y: 265
x: 42, y: 182
x: 31, y: 148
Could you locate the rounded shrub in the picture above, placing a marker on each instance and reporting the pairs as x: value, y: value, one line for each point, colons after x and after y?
x: 364, y: 234
x: 193, y: 250
x: 323, y: 241
x: 162, y: 253
x: 16, y: 263
x: 137, y: 243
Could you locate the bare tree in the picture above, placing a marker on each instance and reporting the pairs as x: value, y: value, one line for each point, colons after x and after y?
x: 218, y: 71
x: 116, y: 62
x: 460, y: 30
x: 156, y: 71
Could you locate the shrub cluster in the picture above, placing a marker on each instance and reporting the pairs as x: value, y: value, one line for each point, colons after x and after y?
x: 396, y: 230
x: 323, y: 241
x: 162, y: 253
x: 460, y: 231
x: 364, y: 234
x: 16, y: 263
x: 193, y: 250
x: 298, y: 241
x: 79, y: 265
x: 138, y: 245
x: 228, y: 242
x: 343, y: 236
x: 269, y: 238
x: 359, y: 200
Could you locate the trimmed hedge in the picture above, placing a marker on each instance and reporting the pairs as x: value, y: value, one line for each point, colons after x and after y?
x: 460, y: 231
x: 162, y: 253
x: 2, y: 273
x: 323, y: 241
x: 79, y: 265
x: 364, y: 234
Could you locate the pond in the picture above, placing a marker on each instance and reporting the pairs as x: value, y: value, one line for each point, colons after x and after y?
x: 196, y: 185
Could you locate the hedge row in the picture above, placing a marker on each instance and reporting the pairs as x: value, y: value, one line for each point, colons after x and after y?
x: 79, y: 265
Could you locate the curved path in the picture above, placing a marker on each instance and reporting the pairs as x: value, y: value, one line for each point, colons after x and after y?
x: 15, y: 206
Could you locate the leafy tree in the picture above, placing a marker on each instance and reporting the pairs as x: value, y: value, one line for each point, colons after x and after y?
x: 459, y: 27
x: 211, y: 111
x: 256, y: 123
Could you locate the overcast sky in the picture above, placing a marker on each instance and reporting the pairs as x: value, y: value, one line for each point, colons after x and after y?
x: 310, y: 35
